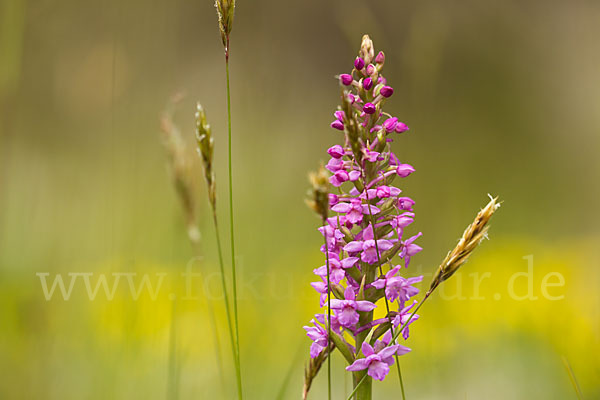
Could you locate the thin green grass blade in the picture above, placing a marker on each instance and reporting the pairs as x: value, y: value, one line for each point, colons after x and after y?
x: 572, y: 378
x: 231, y: 231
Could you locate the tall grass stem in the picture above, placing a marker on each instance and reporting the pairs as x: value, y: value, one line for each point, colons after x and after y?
x: 224, y: 285
x: 231, y: 230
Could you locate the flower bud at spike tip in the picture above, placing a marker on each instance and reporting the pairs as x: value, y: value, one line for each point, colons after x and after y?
x: 367, y: 52
x: 346, y: 79
x: 386, y: 91
x: 370, y: 69
x: 369, y: 108
x: 380, y: 59
x: 359, y: 63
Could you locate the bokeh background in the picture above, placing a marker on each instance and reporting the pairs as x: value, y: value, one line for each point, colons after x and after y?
x: 502, y: 97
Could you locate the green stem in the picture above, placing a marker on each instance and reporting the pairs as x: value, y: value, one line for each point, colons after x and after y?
x: 224, y: 284
x: 360, y: 383
x: 362, y: 390
x: 231, y: 230
x: 172, y: 381
x: 387, y: 305
x: 211, y: 310
x: 572, y: 378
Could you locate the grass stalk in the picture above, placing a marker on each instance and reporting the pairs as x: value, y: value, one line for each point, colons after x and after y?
x: 572, y: 378
x: 238, y: 368
x: 173, y: 374
x: 215, y: 327
x: 225, y: 291
x: 180, y: 172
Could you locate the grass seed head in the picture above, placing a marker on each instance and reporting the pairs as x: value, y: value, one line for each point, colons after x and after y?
x: 312, y: 369
x: 469, y: 241
x: 319, y: 193
x: 206, y: 146
x: 225, y: 11
x: 180, y: 166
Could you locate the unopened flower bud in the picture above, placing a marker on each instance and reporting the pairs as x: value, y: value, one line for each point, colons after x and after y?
x: 401, y: 127
x: 336, y: 151
x: 367, y: 83
x: 359, y: 63
x: 369, y: 108
x: 367, y: 52
x: 337, y: 124
x: 404, y: 170
x: 386, y: 91
x: 346, y: 79
x: 380, y: 58
x: 370, y: 69
x: 390, y: 124
x: 333, y: 199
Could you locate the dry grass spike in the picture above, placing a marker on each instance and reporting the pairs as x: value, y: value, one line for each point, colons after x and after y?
x: 469, y: 241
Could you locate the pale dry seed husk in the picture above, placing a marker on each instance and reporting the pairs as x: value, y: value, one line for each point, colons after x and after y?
x: 312, y: 369
x: 470, y: 239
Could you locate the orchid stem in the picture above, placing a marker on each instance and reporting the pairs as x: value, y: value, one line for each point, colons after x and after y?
x: 395, y: 337
x: 387, y: 305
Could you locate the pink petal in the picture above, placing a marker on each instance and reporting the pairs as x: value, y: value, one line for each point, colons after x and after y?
x: 364, y: 305
x: 374, y: 210
x: 378, y: 370
x: 358, y: 365
x: 403, y: 350
x: 384, y: 245
x: 393, y: 272
x: 350, y: 261
x: 336, y: 304
x: 348, y: 317
x: 349, y: 293
x: 353, y: 247
x: 341, y: 207
x: 367, y: 349
x: 389, y: 351
x: 379, y: 284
